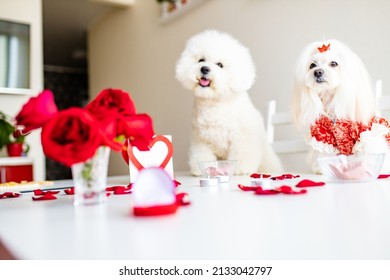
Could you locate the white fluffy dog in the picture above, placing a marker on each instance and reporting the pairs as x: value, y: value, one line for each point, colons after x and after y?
x: 225, y: 123
x: 334, y: 102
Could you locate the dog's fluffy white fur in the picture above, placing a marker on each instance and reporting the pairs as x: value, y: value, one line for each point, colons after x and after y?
x: 334, y: 83
x: 343, y: 91
x: 225, y: 124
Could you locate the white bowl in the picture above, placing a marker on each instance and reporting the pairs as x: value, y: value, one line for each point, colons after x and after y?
x: 352, y: 168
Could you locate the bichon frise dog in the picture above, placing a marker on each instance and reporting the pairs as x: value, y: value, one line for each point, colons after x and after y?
x: 334, y: 103
x: 225, y: 123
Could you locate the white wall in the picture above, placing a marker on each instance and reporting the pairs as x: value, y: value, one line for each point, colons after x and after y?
x: 131, y: 49
x: 30, y: 12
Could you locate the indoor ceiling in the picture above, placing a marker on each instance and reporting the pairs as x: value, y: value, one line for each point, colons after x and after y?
x: 64, y: 30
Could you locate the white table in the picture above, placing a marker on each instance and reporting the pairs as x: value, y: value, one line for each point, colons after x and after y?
x: 337, y: 221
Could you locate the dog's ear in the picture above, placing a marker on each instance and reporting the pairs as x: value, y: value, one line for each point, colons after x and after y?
x: 244, y: 72
x: 183, y: 75
x: 307, y: 106
x: 354, y: 97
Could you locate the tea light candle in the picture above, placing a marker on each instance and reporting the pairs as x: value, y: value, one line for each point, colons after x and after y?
x: 265, y: 183
x: 208, y: 182
x: 223, y: 179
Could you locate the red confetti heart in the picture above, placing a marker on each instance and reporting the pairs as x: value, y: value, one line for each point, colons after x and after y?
x: 41, y: 192
x: 309, y: 183
x: 47, y: 196
x: 383, y: 176
x: 9, y: 195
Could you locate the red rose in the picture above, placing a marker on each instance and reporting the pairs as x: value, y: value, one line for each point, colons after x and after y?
x: 37, y: 111
x: 139, y: 132
x: 116, y: 112
x: 71, y: 136
x: 111, y: 102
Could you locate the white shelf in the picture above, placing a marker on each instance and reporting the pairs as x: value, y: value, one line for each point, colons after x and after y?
x: 117, y: 3
x: 15, y: 161
x: 180, y: 10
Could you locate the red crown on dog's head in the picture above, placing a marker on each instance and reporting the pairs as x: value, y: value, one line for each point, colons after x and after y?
x: 324, y: 48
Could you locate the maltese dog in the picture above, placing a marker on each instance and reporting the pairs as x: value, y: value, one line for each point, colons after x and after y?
x: 334, y: 103
x: 225, y: 124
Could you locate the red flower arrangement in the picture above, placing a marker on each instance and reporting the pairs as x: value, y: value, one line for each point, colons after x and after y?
x: 73, y: 135
x: 342, y: 134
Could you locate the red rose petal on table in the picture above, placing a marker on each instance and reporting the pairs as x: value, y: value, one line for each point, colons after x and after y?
x: 260, y: 191
x: 41, y: 192
x: 177, y: 183
x: 69, y: 191
x: 309, y: 183
x: 247, y: 188
x: 383, y: 176
x: 258, y: 175
x: 113, y: 188
x: 9, y: 195
x: 289, y: 190
x: 47, y: 196
x: 122, y: 190
x: 285, y: 176
x: 119, y: 189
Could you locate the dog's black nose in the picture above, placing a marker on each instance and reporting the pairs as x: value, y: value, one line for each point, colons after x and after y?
x: 204, y: 70
x: 318, y: 73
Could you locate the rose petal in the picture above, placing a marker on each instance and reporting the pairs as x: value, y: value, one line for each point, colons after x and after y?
x: 248, y: 188
x: 289, y: 190
x: 285, y: 176
x: 383, y: 176
x: 69, y: 191
x: 47, y: 196
x: 9, y: 195
x: 260, y: 191
x: 177, y: 183
x: 258, y: 175
x: 41, y: 192
x: 121, y: 190
x: 309, y: 183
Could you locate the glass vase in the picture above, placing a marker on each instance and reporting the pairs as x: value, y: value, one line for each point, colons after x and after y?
x: 90, y: 178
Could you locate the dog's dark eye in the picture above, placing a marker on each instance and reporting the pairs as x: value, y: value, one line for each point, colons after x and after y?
x: 333, y: 64
x: 312, y: 65
x: 201, y: 60
x: 220, y: 64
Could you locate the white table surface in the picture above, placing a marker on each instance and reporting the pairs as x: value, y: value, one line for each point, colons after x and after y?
x: 337, y: 221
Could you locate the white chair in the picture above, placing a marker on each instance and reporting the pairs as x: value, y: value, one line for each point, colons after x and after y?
x: 382, y: 101
x: 279, y: 120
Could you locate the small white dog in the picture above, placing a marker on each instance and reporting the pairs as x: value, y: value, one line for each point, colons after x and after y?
x: 225, y: 123
x: 334, y: 102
